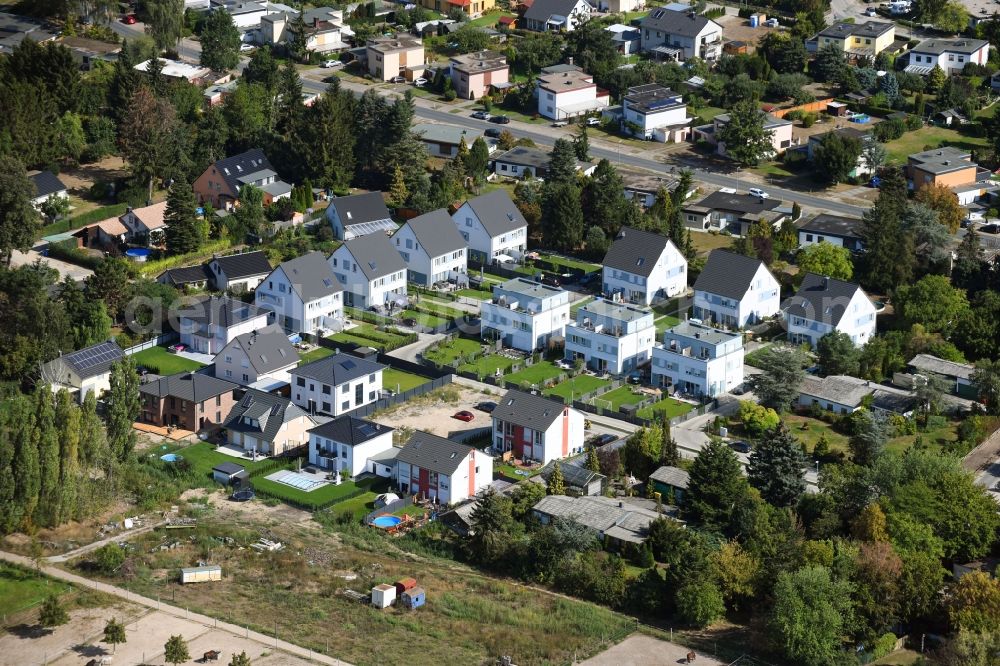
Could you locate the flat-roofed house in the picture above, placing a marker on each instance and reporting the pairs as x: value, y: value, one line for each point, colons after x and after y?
x: 525, y: 314
x: 652, y: 111
x: 611, y: 337
x: 951, y: 55
x: 619, y: 522
x: 568, y: 93
x: 835, y: 229
x: 952, y: 168
x: 958, y: 375
x: 473, y: 74
x: 389, y: 57
x: 857, y: 40
x: 698, y: 360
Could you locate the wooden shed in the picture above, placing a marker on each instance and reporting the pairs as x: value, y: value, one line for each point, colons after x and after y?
x: 413, y: 598
x: 404, y: 584
x: 204, y: 574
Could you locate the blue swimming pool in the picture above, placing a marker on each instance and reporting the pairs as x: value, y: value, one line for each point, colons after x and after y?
x: 170, y: 457
x: 385, y: 522
x: 138, y: 254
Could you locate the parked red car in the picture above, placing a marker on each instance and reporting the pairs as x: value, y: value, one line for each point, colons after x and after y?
x: 129, y: 19
x: 464, y: 415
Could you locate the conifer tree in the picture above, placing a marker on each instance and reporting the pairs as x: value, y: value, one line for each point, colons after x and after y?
x: 556, y: 484
x: 184, y: 232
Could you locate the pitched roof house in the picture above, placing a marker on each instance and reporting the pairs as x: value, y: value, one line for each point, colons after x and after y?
x: 733, y: 212
x: 349, y: 445
x: 359, y: 215
x: 336, y: 384
x: 822, y: 305
x: 303, y: 293
x: 735, y: 290
x: 492, y: 226
x: 144, y: 223
x: 441, y: 470
x: 84, y: 370
x: 238, y: 272
x: 220, y: 184
x: 617, y: 521
x: 680, y: 35
x: 211, y: 322
x: 371, y: 272
x: 536, y: 427
x: 642, y: 267
x: 264, y: 423
x: 432, y: 247
x: 669, y: 481
x: 557, y: 15
x: 263, y: 355
x: 195, y: 277
x: 188, y: 400
x: 836, y: 229
x: 47, y: 184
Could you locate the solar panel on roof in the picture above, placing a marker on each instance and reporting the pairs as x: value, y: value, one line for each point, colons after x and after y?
x: 368, y: 429
x: 348, y: 365
x: 89, y: 358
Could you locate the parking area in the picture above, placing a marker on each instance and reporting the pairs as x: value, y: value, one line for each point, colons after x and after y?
x: 640, y: 650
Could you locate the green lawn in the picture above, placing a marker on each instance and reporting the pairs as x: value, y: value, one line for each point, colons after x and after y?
x: 566, y: 262
x: 402, y: 381
x: 489, y: 20
x: 574, y: 387
x: 935, y: 137
x: 623, y: 395
x: 511, y: 472
x: 449, y: 350
x: 535, y: 374
x: 669, y: 405
x: 162, y: 362
x: 314, y: 498
x: 488, y: 365
x: 202, y: 457
x: 314, y: 355
x: 664, y: 322
x: 21, y: 589
x: 423, y: 318
x: 579, y: 304
x: 368, y: 335
x: 708, y: 113
x: 808, y: 430
x: 478, y: 294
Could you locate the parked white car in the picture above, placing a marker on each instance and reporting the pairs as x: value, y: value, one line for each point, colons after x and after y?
x: 330, y: 64
x: 757, y: 192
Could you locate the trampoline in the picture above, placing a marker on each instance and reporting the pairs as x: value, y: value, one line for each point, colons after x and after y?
x: 303, y: 482
x: 243, y: 495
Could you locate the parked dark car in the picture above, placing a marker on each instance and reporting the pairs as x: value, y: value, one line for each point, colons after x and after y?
x: 493, y: 132
x: 742, y: 447
x: 550, y: 280
x: 486, y: 406
x: 604, y: 439
x: 500, y: 120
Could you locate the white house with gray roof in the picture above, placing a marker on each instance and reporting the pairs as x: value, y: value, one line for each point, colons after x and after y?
x: 304, y: 295
x: 556, y: 15
x: 823, y: 305
x: 611, y: 337
x: 265, y: 354
x: 359, y: 215
x: 698, y: 360
x: 433, y: 249
x: 84, y: 370
x: 209, y: 323
x: 492, y: 226
x: 238, y: 272
x: 525, y: 314
x: 951, y: 55
x: 642, y: 267
x: 441, y: 470
x: 336, y: 384
x: 445, y: 140
x: 347, y: 444
x: 536, y: 427
x: 735, y: 291
x: 680, y: 35
x: 371, y: 271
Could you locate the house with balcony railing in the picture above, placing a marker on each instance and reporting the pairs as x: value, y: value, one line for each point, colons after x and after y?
x: 611, y: 336
x: 525, y: 314
x: 698, y: 360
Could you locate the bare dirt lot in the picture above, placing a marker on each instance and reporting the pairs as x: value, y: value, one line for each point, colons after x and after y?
x: 737, y: 29
x: 433, y: 412
x: 640, y: 650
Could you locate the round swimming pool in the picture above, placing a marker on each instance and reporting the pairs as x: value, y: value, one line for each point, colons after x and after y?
x: 170, y: 457
x: 385, y: 522
x: 138, y: 254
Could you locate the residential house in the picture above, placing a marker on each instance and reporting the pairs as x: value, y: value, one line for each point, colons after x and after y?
x: 669, y: 34
x: 620, y: 6
x: 47, y: 185
x: 780, y: 131
x: 209, y: 323
x: 643, y: 267
x: 267, y: 424
x: 951, y: 167
x: 84, y: 370
x: 88, y: 52
x: 958, y: 375
x: 304, y: 294
x: 432, y: 248
x: 671, y: 483
x: 181, y: 71
x: 371, y: 272
x: 216, y: 94
x: 556, y: 15
x: 186, y: 277
x: 445, y: 140
x: 441, y: 470
x: 843, y: 394
x: 857, y: 40
x: 145, y: 226
x: 643, y: 187
x: 239, y: 272
x: 107, y: 234
x: 735, y: 290
x: 950, y: 118
x: 520, y: 161
x: 698, y: 360
x: 732, y: 212
x: 577, y: 479
x: 862, y: 136
x: 951, y: 55
x: 471, y: 8
x: 836, y: 229
x: 264, y: 355
x: 348, y: 444
x: 389, y: 57
x: 325, y: 30
x: 188, y: 400
x: 245, y: 13
x: 220, y: 184
x: 611, y: 337
x: 536, y: 427
x: 619, y: 522
x: 336, y: 384
x: 492, y: 226
x: 359, y: 215
x: 625, y: 37
x: 652, y: 111
x: 15, y: 29
x: 568, y: 93
x: 524, y: 314
x: 822, y: 305
x: 473, y: 74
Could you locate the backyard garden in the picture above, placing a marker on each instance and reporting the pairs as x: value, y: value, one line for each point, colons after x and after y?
x: 160, y: 361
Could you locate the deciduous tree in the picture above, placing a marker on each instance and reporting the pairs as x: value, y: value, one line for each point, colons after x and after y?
x: 165, y: 22
x: 974, y: 604
x: 699, y: 603
x: 810, y: 612
x: 220, y: 42
x: 826, y: 259
x: 52, y: 613
x: 836, y: 157
x: 114, y: 633
x: 838, y: 354
x: 123, y: 408
x: 175, y: 651
x: 745, y: 138
x: 943, y: 201
x: 19, y: 221
x: 931, y: 302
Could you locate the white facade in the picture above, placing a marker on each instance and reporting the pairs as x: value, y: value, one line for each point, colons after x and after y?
x: 352, y: 460
x: 698, y: 360
x: 667, y: 279
x: 473, y: 474
x: 857, y: 321
x: 562, y: 21
x: 564, y: 437
x: 359, y: 291
x: 568, y: 94
x: 211, y: 338
x: 423, y: 269
x: 223, y: 282
x: 664, y: 27
x: 484, y: 246
x: 952, y: 59
x: 276, y: 293
x: 525, y: 314
x: 232, y: 364
x: 652, y: 116
x: 318, y: 398
x: 761, y: 300
x: 611, y: 337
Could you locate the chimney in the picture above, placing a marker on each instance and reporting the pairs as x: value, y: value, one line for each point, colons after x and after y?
x: 826, y: 282
x: 569, y: 60
x: 621, y: 505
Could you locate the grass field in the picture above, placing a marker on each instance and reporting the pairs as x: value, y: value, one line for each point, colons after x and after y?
x: 402, y: 381
x: 448, y: 351
x: 314, y: 355
x: 705, y: 242
x: 935, y: 137
x: 423, y: 318
x: 478, y: 294
x: 663, y: 322
x: 577, y: 386
x: 579, y: 304
x: 623, y: 395
x: 568, y: 263
x: 488, y: 365
x: 808, y: 430
x: 669, y: 405
x: 202, y: 457
x: 21, y: 589
x: 536, y: 374
x: 368, y: 335
x: 321, y: 495
x: 162, y: 362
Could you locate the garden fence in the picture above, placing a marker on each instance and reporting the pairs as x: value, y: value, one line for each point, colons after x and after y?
x: 162, y: 339
x: 390, y: 508
x: 398, y: 398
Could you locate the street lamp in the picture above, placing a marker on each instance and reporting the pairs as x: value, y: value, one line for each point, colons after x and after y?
x: 817, y: 466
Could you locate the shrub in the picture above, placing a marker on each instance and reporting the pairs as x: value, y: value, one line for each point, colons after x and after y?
x: 450, y: 95
x: 809, y: 119
x: 885, y: 644
x: 757, y: 419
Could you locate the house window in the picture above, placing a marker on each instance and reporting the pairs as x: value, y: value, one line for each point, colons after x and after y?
x: 326, y: 407
x: 345, y: 405
x: 359, y: 394
x: 326, y: 389
x: 346, y: 388
x: 218, y: 398
x: 371, y: 395
x: 371, y: 378
x: 246, y: 377
x: 299, y: 381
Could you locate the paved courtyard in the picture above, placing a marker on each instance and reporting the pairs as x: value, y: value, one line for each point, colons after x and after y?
x: 640, y: 650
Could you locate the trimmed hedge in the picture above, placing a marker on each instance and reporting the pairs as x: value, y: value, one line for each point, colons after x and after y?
x: 68, y: 251
x: 82, y: 220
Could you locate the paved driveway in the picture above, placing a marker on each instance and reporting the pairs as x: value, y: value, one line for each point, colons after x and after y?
x: 640, y: 650
x: 77, y: 273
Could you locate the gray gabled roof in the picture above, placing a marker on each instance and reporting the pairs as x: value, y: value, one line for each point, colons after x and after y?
x: 436, y: 233
x: 833, y: 225
x: 841, y: 389
x: 337, y: 369
x: 185, y: 275
x: 311, y: 276
x: 744, y: 204
x: 232, y: 169
x: 94, y: 360
x: 671, y: 476
x: 221, y: 311
x: 822, y: 299
x: 635, y: 251
x: 227, y: 467
x: 575, y: 476
x: 361, y: 208
x: 433, y: 453
x: 728, y: 274
x: 271, y: 411
x: 350, y: 430
x: 375, y: 255
x: 267, y: 349
x: 528, y: 410
x: 541, y: 10
x: 191, y: 386
x: 682, y: 24
x: 497, y: 213
x: 244, y: 265
x: 940, y: 366
x: 46, y: 183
